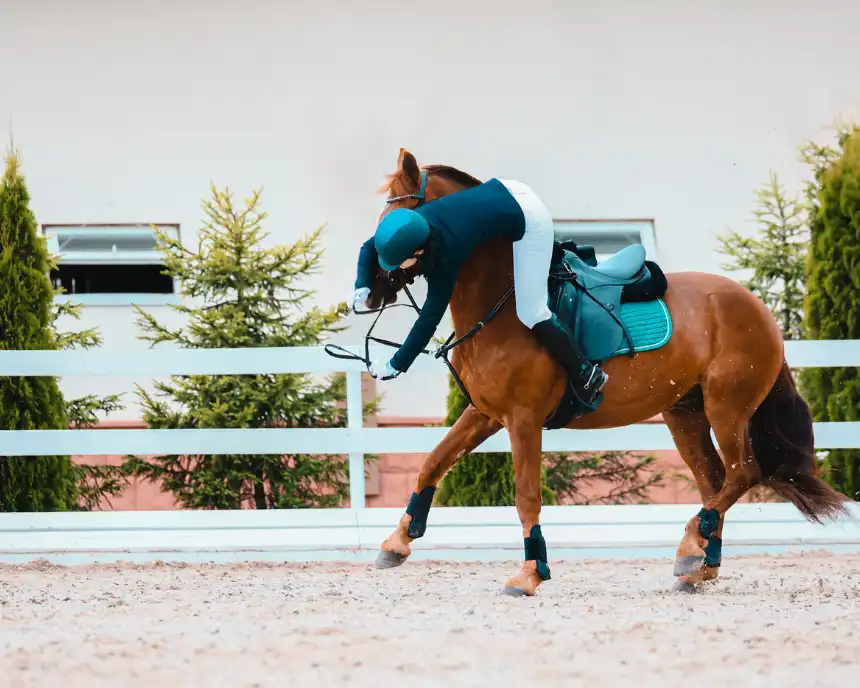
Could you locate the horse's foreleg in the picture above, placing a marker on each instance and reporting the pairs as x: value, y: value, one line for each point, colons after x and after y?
x: 525, y: 433
x: 470, y: 430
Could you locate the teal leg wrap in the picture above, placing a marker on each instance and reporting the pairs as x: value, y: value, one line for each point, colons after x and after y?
x: 419, y: 509
x: 708, y: 527
x: 709, y: 523
x: 714, y: 552
x: 535, y: 548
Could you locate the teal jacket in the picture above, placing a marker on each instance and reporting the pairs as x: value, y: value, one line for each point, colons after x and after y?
x: 462, y: 221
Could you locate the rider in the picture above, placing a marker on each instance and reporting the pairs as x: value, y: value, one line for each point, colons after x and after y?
x: 442, y: 234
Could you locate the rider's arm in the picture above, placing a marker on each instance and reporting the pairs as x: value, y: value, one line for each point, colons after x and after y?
x: 439, y: 292
x: 368, y: 262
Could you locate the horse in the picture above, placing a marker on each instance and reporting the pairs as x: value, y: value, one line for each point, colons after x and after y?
x: 723, y: 369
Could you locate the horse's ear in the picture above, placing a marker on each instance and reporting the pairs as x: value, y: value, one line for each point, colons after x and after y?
x: 407, y: 167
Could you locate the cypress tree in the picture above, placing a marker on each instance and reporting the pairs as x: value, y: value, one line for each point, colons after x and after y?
x: 27, y: 483
x: 833, y: 293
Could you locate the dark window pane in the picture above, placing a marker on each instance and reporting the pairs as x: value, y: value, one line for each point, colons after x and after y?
x: 112, y: 279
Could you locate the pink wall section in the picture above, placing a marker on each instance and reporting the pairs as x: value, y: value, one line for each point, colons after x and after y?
x: 139, y: 495
x: 392, y: 477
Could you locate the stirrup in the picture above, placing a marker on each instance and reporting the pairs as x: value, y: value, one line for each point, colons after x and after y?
x: 598, y: 377
x: 589, y: 392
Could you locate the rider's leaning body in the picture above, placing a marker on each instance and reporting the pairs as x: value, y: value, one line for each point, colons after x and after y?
x: 442, y: 234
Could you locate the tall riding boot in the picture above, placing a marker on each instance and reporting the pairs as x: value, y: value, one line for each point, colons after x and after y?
x: 587, y: 379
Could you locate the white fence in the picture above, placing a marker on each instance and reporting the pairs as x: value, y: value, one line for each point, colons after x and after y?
x: 309, y: 534
x: 354, y: 440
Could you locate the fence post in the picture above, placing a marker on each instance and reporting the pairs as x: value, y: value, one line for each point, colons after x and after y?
x: 355, y: 421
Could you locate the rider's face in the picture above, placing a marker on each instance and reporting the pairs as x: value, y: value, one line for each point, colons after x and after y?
x: 409, y: 262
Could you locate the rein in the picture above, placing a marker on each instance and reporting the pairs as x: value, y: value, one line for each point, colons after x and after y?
x: 440, y: 352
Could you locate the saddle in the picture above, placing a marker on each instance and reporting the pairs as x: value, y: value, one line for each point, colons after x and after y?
x: 588, y: 298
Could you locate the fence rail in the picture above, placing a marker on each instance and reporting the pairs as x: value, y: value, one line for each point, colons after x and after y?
x: 354, y: 440
x: 300, y: 359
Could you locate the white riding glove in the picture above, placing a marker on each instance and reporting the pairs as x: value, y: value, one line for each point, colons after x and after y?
x: 383, y: 370
x: 358, y: 301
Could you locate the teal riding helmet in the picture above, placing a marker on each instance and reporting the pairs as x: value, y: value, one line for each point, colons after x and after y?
x: 397, y: 237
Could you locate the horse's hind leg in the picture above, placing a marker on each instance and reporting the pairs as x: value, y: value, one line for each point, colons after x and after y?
x: 470, y: 430
x: 691, y: 432
x: 729, y: 406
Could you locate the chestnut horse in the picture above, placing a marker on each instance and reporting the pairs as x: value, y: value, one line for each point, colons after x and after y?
x: 723, y: 370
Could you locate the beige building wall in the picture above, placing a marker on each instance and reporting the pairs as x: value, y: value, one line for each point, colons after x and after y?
x: 668, y: 110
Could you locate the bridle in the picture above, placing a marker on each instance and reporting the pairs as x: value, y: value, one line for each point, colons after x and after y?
x: 408, y: 276
x: 420, y: 194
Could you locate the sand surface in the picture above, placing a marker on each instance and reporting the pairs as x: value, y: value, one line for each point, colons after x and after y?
x: 770, y: 621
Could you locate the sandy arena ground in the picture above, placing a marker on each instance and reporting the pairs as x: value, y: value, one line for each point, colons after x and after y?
x: 770, y: 621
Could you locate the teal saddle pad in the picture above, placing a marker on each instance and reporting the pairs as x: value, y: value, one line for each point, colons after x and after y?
x: 648, y: 323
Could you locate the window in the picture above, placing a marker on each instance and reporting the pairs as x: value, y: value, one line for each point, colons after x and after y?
x: 110, y: 264
x: 609, y: 236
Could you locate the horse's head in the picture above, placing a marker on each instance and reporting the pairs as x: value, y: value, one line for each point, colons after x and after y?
x: 408, y: 187
x: 384, y: 289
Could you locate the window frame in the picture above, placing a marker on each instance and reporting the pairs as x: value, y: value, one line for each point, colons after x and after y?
x: 645, y: 227
x: 52, y: 232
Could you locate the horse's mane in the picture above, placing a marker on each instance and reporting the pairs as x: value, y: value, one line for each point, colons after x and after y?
x: 451, y: 174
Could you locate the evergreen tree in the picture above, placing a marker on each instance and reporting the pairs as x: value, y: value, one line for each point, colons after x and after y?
x: 28, y: 321
x: 833, y: 291
x: 776, y: 256
x: 28, y: 483
x: 620, y: 478
x: 242, y: 295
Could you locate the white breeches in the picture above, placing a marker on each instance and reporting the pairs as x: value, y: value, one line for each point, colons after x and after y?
x: 532, y: 255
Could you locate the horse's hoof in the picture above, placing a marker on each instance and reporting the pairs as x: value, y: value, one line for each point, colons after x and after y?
x: 513, y: 591
x: 685, y: 587
x: 389, y: 560
x: 686, y: 565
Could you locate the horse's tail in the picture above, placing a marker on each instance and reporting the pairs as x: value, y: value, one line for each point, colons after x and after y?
x: 784, y: 447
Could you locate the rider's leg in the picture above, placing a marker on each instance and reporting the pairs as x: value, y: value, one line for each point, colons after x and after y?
x: 587, y: 378
x: 532, y: 256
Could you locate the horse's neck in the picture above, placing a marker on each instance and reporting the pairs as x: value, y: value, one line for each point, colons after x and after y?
x: 483, y: 280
